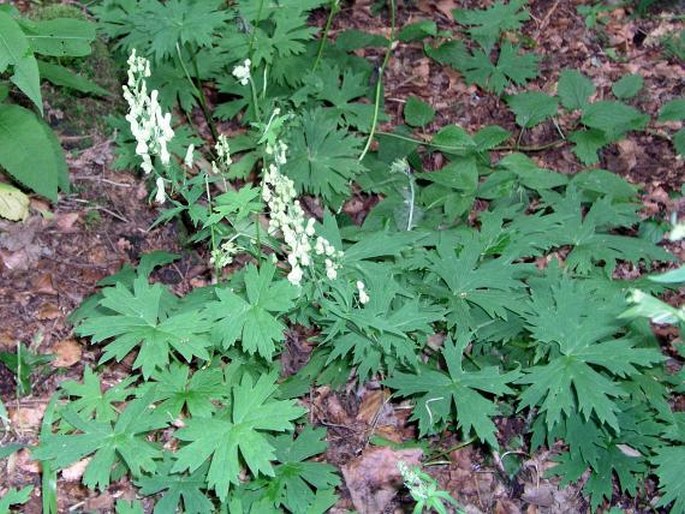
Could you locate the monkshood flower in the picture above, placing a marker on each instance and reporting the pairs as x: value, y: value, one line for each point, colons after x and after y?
x: 149, y: 126
x: 242, y: 72
x: 160, y: 196
x: 287, y: 217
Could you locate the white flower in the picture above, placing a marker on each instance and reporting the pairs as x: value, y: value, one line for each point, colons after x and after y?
x: 295, y: 275
x: 160, y: 196
x: 242, y: 72
x: 188, y: 160
x: 150, y: 127
x: 361, y: 290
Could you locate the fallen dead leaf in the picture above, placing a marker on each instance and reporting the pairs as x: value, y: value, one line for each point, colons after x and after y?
x: 43, y: 284
x: 67, y: 353
x: 48, y: 311
x: 65, y: 222
x: 27, y: 417
x: 373, y: 479
x: 74, y: 472
x: 371, y: 405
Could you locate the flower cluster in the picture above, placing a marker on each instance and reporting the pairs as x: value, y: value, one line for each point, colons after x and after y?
x: 223, y: 256
x: 223, y: 153
x: 363, y: 295
x: 288, y: 217
x: 149, y: 126
x: 242, y: 72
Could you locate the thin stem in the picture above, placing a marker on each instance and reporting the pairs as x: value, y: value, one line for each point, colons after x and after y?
x: 379, y: 84
x: 335, y: 7
x: 449, y: 148
x: 255, y: 101
x: 211, y: 227
x: 254, y: 29
x: 412, y: 199
x: 198, y: 91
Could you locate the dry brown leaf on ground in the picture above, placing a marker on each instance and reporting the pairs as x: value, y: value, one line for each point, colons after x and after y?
x: 74, y: 472
x: 373, y: 479
x: 27, y: 417
x: 67, y: 352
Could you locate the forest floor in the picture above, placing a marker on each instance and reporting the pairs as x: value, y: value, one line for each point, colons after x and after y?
x: 53, y: 261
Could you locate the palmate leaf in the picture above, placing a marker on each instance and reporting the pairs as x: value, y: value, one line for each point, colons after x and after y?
x: 511, y: 67
x: 576, y: 321
x: 237, y: 431
x: 124, y: 441
x: 136, y: 318
x: 440, y: 392
x: 252, y: 319
x: 590, y: 236
x: 198, y: 393
x: 486, y: 25
x: 297, y: 480
x: 384, y: 333
x: 89, y: 400
x: 467, y: 280
x: 185, y: 489
x: 323, y: 160
x: 159, y: 27
x: 669, y: 468
x: 339, y: 91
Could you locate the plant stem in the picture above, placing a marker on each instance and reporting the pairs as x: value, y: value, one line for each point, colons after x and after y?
x: 198, y: 91
x: 379, y: 84
x: 335, y: 8
x: 449, y: 148
x: 254, y: 29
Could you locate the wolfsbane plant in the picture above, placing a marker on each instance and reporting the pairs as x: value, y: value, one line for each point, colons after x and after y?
x: 543, y: 339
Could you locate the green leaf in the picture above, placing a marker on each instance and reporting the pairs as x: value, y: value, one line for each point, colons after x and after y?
x: 613, y: 118
x: 14, y: 205
x: 129, y: 507
x: 679, y: 142
x: 89, y: 399
x: 574, y: 89
x: 60, y: 37
x: 323, y: 160
x: 439, y: 391
x: 673, y: 110
x: 239, y: 431
x: 530, y: 175
x: 26, y: 78
x: 252, y: 319
x: 298, y: 480
x: 627, y: 87
x: 15, y: 497
x: 353, y: 39
x: 339, y: 91
x: 13, y: 43
x: 486, y: 25
x: 160, y: 26
x: 511, y: 67
x: 532, y: 107
x: 578, y: 319
x: 669, y: 469
x: 676, y: 276
x: 417, y: 30
x: 470, y: 282
x: 136, y: 318
x: 197, y: 394
x: 27, y: 152
x: 588, y: 143
x: 61, y: 76
x: 452, y: 52
x: 125, y: 442
x: 178, y: 489
x: 418, y: 113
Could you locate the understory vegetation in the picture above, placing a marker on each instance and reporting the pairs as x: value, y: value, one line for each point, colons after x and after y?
x: 482, y: 289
